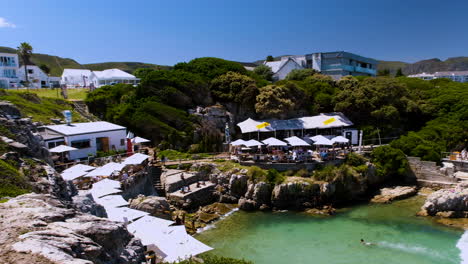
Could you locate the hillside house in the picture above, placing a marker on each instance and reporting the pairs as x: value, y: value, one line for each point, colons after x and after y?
x: 88, y: 138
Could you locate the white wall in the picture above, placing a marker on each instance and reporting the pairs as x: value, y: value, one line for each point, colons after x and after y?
x: 286, y: 69
x: 37, y: 74
x: 114, y: 139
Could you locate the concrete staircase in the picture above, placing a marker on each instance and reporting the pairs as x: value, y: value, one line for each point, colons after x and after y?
x: 155, y: 172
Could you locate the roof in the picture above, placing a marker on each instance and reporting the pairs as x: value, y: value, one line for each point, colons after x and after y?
x: 274, y: 142
x: 112, y: 201
x: 76, y: 171
x: 84, y: 128
x: 321, y: 140
x: 135, y: 159
x: 274, y: 65
x: 76, y: 72
x: 252, y: 143
x: 106, y: 170
x: 449, y: 73
x: 238, y: 142
x: 113, y: 74
x: 329, y: 120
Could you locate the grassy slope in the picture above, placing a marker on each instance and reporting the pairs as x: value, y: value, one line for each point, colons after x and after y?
x: 74, y: 94
x: 40, y: 109
x: 129, y: 67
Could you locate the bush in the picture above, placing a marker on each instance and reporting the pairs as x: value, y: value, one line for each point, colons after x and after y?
x: 390, y: 162
x: 274, y: 177
x: 256, y: 174
x: 213, y: 259
x: 12, y: 183
x: 354, y: 159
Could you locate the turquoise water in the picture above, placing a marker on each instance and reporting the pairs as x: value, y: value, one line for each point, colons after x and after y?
x: 295, y: 238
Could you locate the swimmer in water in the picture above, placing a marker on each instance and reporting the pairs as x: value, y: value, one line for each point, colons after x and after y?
x: 366, y: 243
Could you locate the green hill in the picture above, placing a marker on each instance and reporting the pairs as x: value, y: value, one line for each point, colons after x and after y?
x: 57, y: 64
x: 129, y: 67
x: 393, y: 66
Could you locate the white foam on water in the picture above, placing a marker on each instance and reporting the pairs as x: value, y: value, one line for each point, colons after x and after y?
x: 412, y: 249
x: 462, y: 244
x: 213, y: 225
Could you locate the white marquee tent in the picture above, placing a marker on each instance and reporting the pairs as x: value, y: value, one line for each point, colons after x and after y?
x: 321, y: 140
x: 76, y: 171
x: 253, y: 143
x: 238, y: 142
x: 135, y: 159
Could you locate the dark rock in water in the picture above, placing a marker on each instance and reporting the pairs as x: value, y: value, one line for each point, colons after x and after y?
x: 225, y: 198
x: 247, y: 205
x: 324, y: 211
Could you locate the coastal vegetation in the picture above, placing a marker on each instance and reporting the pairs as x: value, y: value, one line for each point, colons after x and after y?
x: 428, y: 117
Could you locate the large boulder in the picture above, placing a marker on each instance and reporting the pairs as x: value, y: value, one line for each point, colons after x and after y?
x: 259, y: 192
x: 43, y: 227
x: 155, y: 205
x: 451, y: 202
x: 301, y: 194
x: 247, y: 204
x: 388, y: 195
x: 238, y: 185
x: 85, y: 203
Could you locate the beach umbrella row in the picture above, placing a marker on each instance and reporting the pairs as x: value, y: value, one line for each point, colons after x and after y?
x: 293, y: 141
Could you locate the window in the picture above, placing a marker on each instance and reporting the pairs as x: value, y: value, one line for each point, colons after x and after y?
x: 122, y: 142
x: 55, y: 144
x: 81, y: 144
x: 30, y: 71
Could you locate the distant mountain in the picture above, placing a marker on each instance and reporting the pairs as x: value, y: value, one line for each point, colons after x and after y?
x: 429, y: 66
x: 57, y: 64
x: 129, y: 67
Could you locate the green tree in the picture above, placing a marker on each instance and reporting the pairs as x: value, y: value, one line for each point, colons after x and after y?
x: 210, y: 68
x: 264, y: 71
x: 25, y: 52
x: 278, y: 101
x: 45, y: 68
x: 270, y: 58
x: 300, y: 74
x: 142, y: 72
x: 399, y: 73
x: 390, y: 162
x: 234, y: 87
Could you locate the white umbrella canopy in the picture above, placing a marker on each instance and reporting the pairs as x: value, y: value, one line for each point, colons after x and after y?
x: 253, y: 143
x: 139, y: 140
x: 62, y: 148
x: 238, y: 142
x: 296, y: 142
x: 274, y: 142
x: 321, y: 140
x: 340, y: 139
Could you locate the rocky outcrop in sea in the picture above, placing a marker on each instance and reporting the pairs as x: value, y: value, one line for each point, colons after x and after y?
x: 449, y: 203
x: 387, y: 195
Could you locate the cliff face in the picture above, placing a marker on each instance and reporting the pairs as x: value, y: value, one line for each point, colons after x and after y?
x: 53, y: 224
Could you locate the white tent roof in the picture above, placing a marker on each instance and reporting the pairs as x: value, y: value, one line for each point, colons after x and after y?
x: 148, y: 221
x: 238, y: 142
x: 139, y: 140
x: 84, y: 128
x: 135, y: 159
x: 252, y: 143
x: 120, y: 214
x: 62, y: 148
x: 107, y: 183
x: 112, y: 201
x: 340, y: 139
x: 274, y: 142
x: 329, y: 120
x: 173, y: 241
x: 113, y: 74
x: 105, y: 187
x: 321, y: 140
x: 106, y: 170
x: 76, y: 171
x: 296, y: 142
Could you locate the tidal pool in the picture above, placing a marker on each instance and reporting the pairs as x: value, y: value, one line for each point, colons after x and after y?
x: 295, y: 238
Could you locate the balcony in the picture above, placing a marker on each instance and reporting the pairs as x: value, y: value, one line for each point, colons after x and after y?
x: 349, y: 68
x: 366, y: 70
x: 8, y: 64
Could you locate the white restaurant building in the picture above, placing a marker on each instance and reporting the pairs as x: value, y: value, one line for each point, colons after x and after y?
x: 87, y: 138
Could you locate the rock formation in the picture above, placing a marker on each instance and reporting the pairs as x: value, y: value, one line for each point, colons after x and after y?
x: 156, y: 206
x: 388, y: 195
x: 451, y: 202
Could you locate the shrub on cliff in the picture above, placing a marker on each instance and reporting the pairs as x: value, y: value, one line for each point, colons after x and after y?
x: 12, y: 183
x: 390, y: 162
x: 355, y: 160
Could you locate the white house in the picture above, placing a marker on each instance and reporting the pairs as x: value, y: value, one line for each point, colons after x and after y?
x: 36, y: 77
x: 88, y: 138
x: 283, y: 67
x: 9, y: 70
x: 87, y: 78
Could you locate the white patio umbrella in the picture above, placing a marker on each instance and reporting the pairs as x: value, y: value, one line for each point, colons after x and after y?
x: 62, y: 148
x: 340, y: 139
x: 238, y: 142
x: 274, y: 142
x: 321, y: 140
x: 296, y: 142
x: 253, y: 143
x: 139, y: 140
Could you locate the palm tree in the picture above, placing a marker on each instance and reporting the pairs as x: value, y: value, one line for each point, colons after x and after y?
x: 25, y: 52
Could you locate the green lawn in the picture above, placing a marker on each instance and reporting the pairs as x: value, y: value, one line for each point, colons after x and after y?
x: 75, y: 94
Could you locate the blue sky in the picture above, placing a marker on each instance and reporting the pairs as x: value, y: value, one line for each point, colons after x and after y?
x: 167, y: 32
